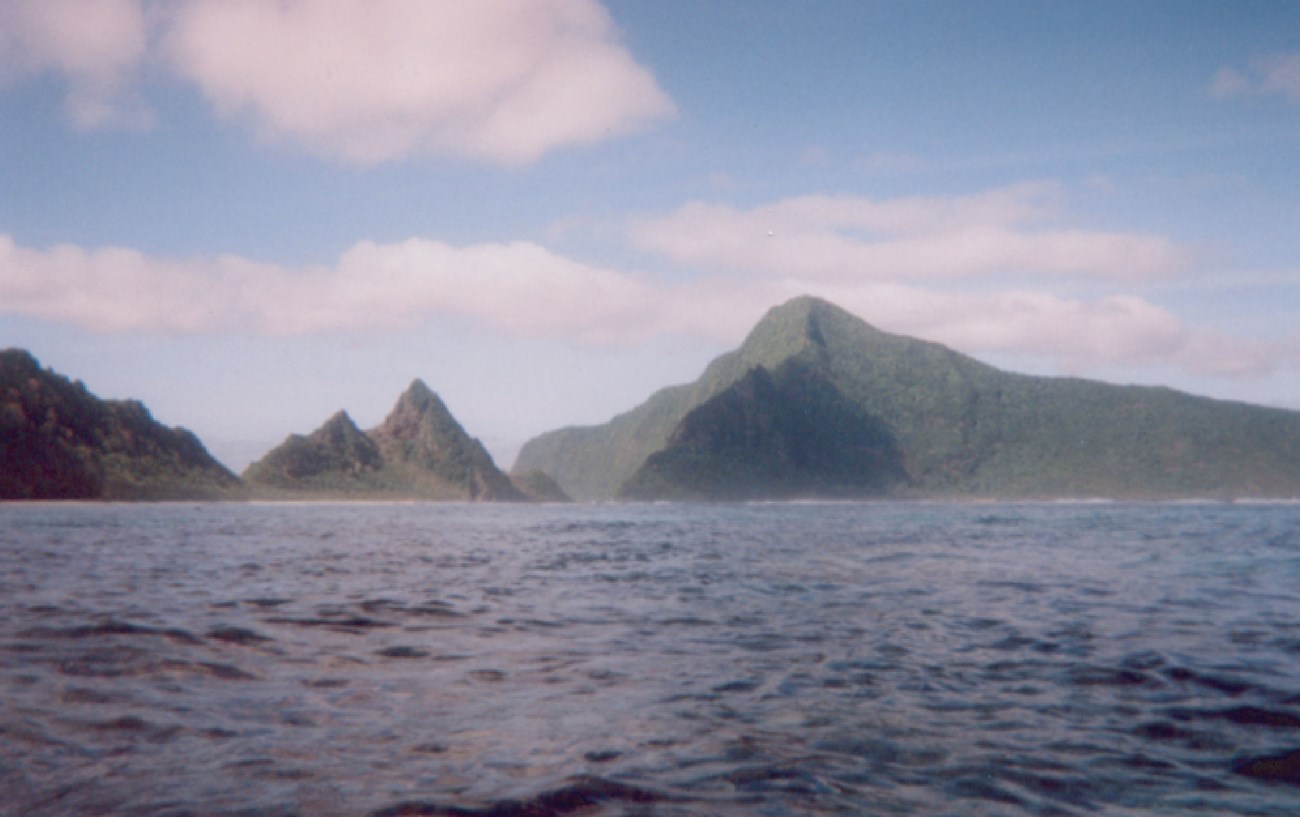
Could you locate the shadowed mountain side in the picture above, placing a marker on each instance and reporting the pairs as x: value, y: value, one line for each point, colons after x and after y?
x: 418, y: 452
x: 59, y: 441
x: 779, y: 435
x: 539, y: 487
x: 963, y: 428
x: 592, y: 462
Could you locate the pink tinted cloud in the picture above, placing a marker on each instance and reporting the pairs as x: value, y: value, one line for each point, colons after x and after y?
x: 96, y: 45
x: 835, y: 238
x: 364, y: 81
x: 1079, y: 335
x: 369, y: 81
x: 517, y: 288
x: 522, y: 289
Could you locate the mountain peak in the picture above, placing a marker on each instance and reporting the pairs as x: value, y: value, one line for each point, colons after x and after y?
x: 417, y: 407
x: 593, y: 462
x: 19, y: 360
x: 919, y: 416
x: 804, y: 305
x: 339, y: 431
x: 420, y: 450
x: 421, y: 435
x: 340, y: 419
x: 807, y: 309
x: 806, y: 325
x: 332, y: 457
x: 420, y: 397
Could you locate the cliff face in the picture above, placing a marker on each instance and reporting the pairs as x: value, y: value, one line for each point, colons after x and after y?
x: 59, y: 441
x: 419, y: 451
x: 817, y: 402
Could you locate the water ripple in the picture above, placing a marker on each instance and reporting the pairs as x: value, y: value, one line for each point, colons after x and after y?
x: 812, y: 659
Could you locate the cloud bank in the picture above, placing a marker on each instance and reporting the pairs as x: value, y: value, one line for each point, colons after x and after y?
x: 1006, y: 231
x: 519, y: 288
x: 522, y: 289
x: 362, y: 81
x: 374, y: 80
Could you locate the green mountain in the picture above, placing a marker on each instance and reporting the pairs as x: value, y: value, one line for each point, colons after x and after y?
x: 59, y: 441
x: 419, y: 452
x: 538, y: 486
x: 337, y: 457
x: 780, y: 434
x: 818, y: 403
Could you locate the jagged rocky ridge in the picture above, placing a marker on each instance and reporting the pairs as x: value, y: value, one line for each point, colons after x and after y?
x: 419, y: 452
x: 59, y: 441
x: 818, y: 403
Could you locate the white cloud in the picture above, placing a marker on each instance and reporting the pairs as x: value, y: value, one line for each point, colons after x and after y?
x: 1077, y: 335
x: 519, y: 288
x: 835, y: 238
x: 523, y: 289
x: 1118, y: 328
x: 1275, y: 74
x: 95, y: 46
x: 364, y: 81
x: 374, y: 80
x: 117, y: 289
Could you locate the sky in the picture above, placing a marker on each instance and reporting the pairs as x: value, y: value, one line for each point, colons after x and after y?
x: 250, y: 214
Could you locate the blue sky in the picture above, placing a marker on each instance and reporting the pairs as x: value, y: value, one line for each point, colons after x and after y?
x: 250, y: 214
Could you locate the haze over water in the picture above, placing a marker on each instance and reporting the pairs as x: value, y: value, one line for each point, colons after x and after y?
x: 784, y: 659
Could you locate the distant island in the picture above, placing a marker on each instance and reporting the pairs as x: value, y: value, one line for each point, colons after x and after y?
x: 815, y: 403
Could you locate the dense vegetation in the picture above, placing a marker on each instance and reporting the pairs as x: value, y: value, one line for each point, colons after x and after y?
x: 337, y: 458
x: 815, y: 403
x: 59, y: 441
x: 419, y: 452
x: 959, y: 428
x: 773, y: 435
x: 539, y: 487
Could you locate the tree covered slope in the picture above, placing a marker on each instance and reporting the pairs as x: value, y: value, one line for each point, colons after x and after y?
x: 59, y: 441
x: 929, y: 422
x: 420, y: 451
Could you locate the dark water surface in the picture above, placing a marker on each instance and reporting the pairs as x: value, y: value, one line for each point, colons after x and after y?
x: 879, y: 659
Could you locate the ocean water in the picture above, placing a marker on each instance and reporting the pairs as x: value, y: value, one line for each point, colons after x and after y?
x: 782, y: 659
